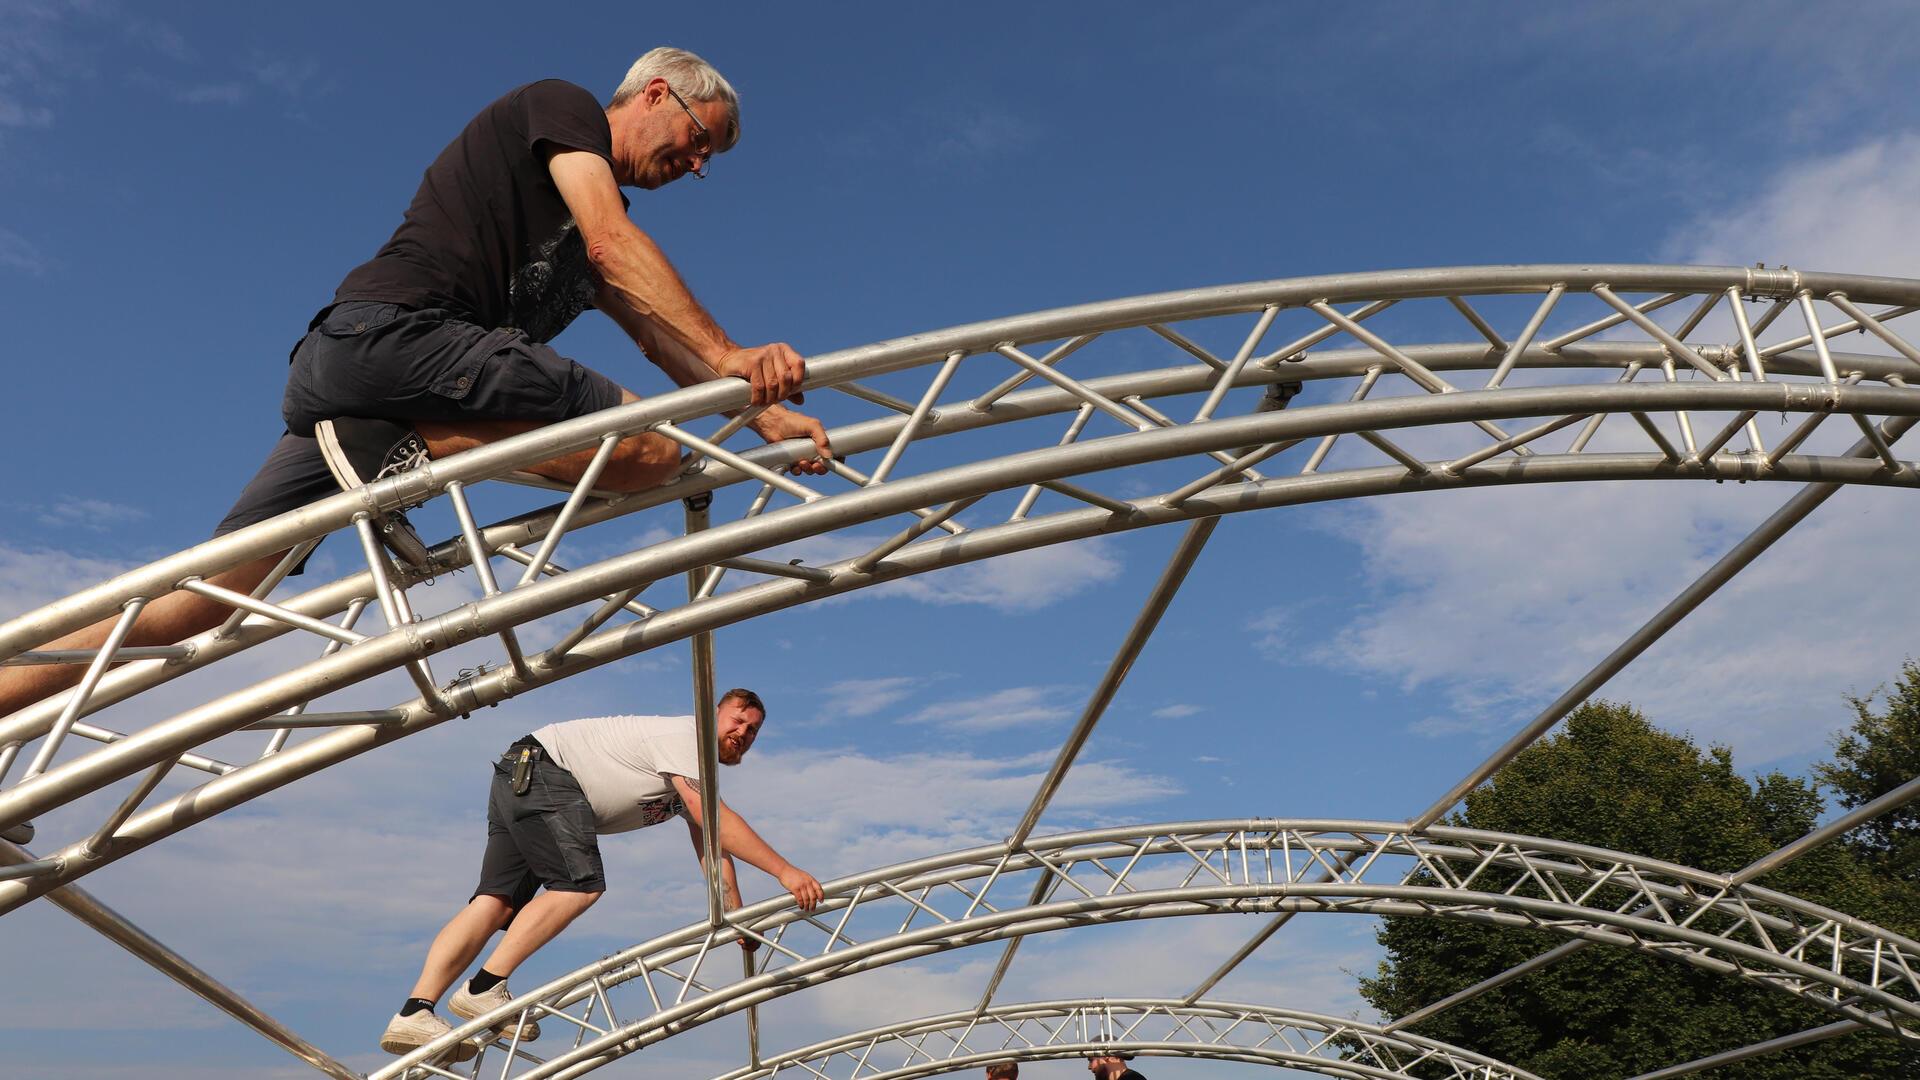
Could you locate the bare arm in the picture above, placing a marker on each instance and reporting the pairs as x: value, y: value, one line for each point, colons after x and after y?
x: 729, y: 883
x: 738, y: 838
x: 635, y: 274
x: 776, y: 422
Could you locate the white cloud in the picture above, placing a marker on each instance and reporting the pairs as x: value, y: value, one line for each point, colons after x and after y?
x: 1856, y: 211
x: 1018, y: 706
x: 854, y: 698
x: 97, y: 515
x: 1178, y: 711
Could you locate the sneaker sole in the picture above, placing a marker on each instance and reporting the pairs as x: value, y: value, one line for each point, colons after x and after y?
x: 393, y: 528
x: 463, y: 1050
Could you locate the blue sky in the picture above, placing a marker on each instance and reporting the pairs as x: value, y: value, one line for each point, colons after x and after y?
x: 180, y: 190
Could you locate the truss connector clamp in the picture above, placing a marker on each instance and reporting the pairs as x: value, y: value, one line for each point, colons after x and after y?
x: 1277, y: 396
x: 698, y: 502
x: 456, y: 627
x: 1780, y: 282
x: 401, y: 491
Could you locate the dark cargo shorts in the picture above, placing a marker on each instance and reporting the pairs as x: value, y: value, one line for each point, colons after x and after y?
x: 385, y: 361
x: 545, y: 837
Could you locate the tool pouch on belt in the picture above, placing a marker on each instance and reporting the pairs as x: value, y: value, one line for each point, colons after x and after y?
x: 523, y: 769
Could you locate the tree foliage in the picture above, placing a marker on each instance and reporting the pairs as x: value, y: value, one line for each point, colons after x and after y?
x: 1611, y: 779
x: 1878, y: 754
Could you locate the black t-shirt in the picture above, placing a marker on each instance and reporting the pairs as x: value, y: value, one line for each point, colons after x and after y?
x: 488, y: 236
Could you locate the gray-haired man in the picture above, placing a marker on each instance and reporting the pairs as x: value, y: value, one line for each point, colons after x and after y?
x: 553, y: 793
x: 438, y: 343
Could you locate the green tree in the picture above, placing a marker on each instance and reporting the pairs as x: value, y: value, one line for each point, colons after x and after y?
x: 1611, y: 779
x: 1879, y: 753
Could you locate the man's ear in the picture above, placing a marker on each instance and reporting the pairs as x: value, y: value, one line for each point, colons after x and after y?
x: 654, y: 92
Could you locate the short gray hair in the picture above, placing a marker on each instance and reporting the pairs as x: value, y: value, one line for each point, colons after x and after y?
x: 690, y: 76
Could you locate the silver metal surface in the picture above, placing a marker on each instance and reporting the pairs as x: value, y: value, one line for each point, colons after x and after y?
x: 1006, y: 440
x: 1052, y: 1030
x: 1819, y: 956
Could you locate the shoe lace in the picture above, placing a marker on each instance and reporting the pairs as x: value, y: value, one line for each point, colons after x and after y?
x: 410, y: 453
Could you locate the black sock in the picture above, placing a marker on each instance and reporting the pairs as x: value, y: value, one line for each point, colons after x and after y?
x: 483, y: 981
x: 415, y: 1005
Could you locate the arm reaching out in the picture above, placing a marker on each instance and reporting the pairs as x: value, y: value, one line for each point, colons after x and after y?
x: 738, y: 838
x: 635, y: 275
x: 776, y: 422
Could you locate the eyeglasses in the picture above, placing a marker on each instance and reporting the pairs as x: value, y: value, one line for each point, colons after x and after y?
x: 702, y: 138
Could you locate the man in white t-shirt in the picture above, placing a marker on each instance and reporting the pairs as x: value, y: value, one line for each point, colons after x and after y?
x: 553, y: 793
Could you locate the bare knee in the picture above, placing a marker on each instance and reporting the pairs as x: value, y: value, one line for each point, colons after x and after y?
x: 641, y: 462
x: 578, y: 902
x: 491, y: 911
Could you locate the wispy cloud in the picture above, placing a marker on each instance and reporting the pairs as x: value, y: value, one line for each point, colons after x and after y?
x: 227, y: 93
x: 18, y: 253
x: 981, y: 135
x: 854, y: 698
x: 1018, y: 706
x: 1179, y: 711
x: 97, y: 515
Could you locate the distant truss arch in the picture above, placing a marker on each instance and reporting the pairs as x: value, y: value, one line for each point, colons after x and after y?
x: 1166, y: 1027
x: 1861, y: 972
x: 1417, y: 431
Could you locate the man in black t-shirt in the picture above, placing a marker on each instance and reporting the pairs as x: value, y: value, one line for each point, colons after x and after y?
x: 439, y: 342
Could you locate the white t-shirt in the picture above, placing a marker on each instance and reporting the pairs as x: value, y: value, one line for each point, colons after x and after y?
x: 623, y: 762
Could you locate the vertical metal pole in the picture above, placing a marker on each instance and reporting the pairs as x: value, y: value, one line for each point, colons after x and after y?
x: 707, y: 725
x: 115, y: 928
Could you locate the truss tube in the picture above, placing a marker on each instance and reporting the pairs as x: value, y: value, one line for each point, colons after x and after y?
x: 1565, y: 860
x: 259, y: 777
x: 1759, y: 1049
x: 111, y: 925
x: 415, y: 641
x: 722, y: 395
x: 1172, y: 576
x: 960, y: 1026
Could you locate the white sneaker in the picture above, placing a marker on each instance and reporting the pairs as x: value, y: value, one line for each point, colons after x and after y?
x: 405, y: 1034
x: 466, y: 1006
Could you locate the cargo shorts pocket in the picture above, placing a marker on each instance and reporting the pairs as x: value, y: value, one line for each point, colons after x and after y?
x: 472, y: 366
x: 356, y: 317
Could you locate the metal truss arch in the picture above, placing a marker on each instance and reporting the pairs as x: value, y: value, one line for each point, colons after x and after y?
x: 183, y: 734
x: 1409, y: 387
x: 1050, y: 1030
x: 1844, y: 965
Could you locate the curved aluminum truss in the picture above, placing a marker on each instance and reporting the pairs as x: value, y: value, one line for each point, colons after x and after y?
x: 1844, y: 965
x: 1048, y: 1030
x: 1596, y: 383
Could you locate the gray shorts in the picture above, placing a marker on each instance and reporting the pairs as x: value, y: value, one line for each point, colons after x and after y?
x: 545, y: 837
x: 385, y: 361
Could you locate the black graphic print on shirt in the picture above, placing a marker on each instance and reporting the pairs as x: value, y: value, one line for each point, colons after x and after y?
x: 556, y: 285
